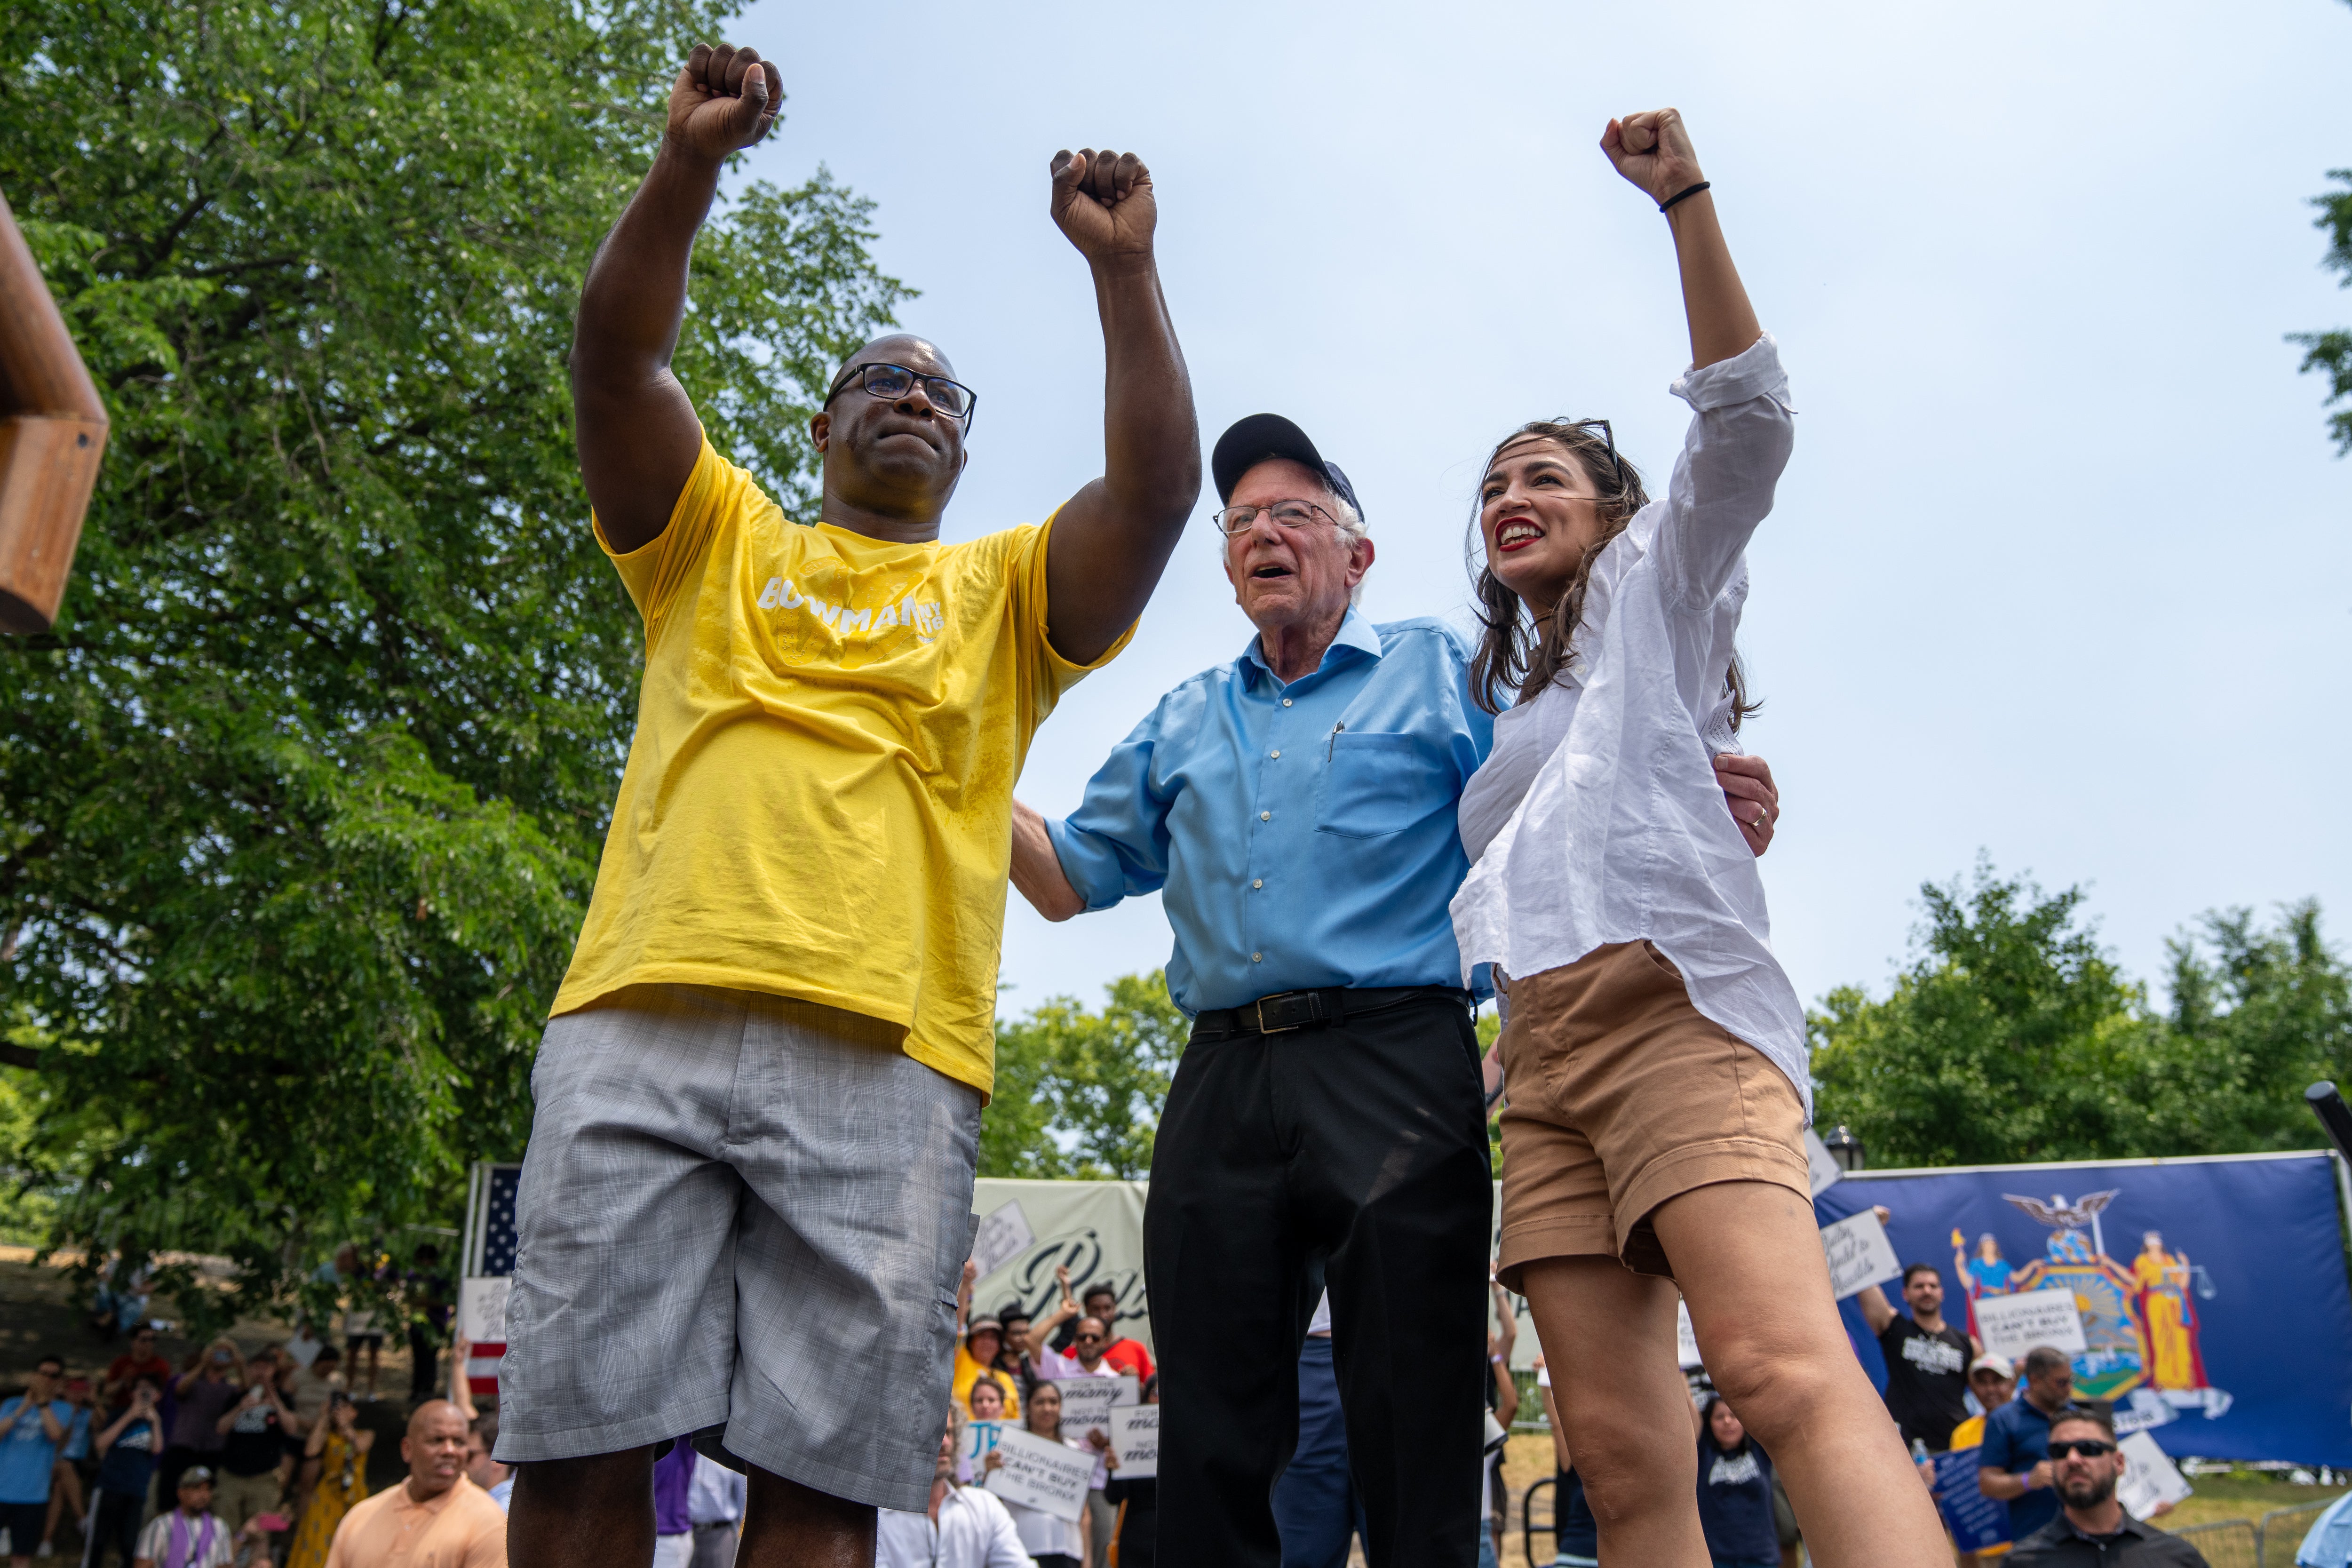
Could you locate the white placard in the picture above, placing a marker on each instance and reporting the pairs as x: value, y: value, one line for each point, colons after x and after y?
x: 2150, y: 1478
x: 1820, y: 1166
x: 482, y: 1307
x: 1686, y: 1338
x: 980, y: 1438
x: 1135, y: 1438
x: 1859, y: 1254
x: 1088, y: 1402
x: 1041, y: 1474
x: 1003, y: 1236
x: 2011, y: 1325
x: 304, y: 1347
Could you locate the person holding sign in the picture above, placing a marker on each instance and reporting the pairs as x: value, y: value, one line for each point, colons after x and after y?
x: 1654, y: 1054
x: 758, y: 1100
x: 2094, y: 1531
x: 1054, y: 1541
x: 962, y: 1527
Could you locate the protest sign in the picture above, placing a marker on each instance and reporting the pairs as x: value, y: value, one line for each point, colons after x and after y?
x: 1820, y: 1166
x: 2011, y: 1325
x: 1859, y: 1254
x: 1976, y: 1521
x: 1041, y: 1474
x: 1088, y: 1402
x: 482, y: 1306
x: 2150, y: 1478
x: 1685, y: 1340
x: 1135, y: 1438
x: 979, y: 1439
x: 1004, y: 1235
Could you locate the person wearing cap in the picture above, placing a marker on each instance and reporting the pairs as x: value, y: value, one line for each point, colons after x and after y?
x: 1297, y: 807
x: 1992, y: 1381
x: 980, y: 1353
x: 191, y: 1535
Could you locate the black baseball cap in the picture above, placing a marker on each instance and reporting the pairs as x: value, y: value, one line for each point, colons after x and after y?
x: 1253, y: 440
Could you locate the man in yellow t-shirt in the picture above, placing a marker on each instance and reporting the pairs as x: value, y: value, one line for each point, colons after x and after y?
x: 749, y: 1187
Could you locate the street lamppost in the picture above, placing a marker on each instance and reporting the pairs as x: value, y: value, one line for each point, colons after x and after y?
x: 1845, y: 1148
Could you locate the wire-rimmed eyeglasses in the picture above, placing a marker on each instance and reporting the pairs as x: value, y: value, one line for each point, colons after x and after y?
x: 1236, y: 519
x: 893, y: 381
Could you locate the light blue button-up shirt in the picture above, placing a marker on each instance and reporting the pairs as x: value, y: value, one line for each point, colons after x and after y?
x: 1304, y: 834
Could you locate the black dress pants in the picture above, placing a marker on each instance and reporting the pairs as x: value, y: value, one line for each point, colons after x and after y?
x: 1351, y: 1154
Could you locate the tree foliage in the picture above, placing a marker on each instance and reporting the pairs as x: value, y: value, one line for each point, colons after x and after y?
x: 1078, y: 1093
x: 300, y: 801
x: 2012, y: 1037
x: 2332, y: 352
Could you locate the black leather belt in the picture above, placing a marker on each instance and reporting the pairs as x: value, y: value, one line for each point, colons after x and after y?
x: 1286, y: 1011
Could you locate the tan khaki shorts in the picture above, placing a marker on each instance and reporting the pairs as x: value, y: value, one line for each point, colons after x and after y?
x: 1622, y: 1095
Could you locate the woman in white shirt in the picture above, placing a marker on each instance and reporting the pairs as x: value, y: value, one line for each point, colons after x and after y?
x: 1654, y: 1052
x: 1054, y: 1541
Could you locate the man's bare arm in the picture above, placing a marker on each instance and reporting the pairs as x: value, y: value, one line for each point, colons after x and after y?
x: 1876, y: 1309
x: 1113, y: 538
x: 1037, y: 870
x: 635, y: 425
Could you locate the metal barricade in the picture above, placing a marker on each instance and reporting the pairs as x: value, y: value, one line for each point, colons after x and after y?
x: 2277, y: 1550
x: 2227, y: 1542
x: 1528, y: 1526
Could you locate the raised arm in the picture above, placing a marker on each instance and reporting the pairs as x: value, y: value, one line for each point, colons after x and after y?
x: 1112, y: 539
x: 1876, y: 1309
x: 635, y: 426
x: 1653, y: 150
x: 461, y: 1387
x: 1041, y: 1329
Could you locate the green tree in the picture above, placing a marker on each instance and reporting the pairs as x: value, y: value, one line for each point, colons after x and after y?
x: 1078, y: 1093
x: 2004, y: 1040
x: 301, y: 800
x: 2332, y: 352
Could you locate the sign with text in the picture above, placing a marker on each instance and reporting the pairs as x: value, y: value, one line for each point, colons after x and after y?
x: 482, y: 1306
x: 2011, y: 1325
x: 1976, y: 1521
x: 1041, y: 1474
x: 1859, y: 1254
x: 2150, y: 1478
x: 1088, y: 1402
x: 1003, y: 1236
x: 980, y: 1439
x: 1135, y: 1438
x: 1685, y: 1339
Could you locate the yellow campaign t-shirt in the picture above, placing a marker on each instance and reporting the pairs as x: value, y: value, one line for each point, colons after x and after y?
x: 818, y: 801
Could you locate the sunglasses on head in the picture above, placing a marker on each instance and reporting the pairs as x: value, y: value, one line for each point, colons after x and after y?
x: 2088, y: 1447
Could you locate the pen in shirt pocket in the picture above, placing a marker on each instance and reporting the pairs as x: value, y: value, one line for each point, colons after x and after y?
x: 1332, y: 745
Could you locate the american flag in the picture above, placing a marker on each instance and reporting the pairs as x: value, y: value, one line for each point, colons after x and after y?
x: 498, y: 1229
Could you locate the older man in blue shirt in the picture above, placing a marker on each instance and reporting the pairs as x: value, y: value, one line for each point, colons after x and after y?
x: 1328, y: 1123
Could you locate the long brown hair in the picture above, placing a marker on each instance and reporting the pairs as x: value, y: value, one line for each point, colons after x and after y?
x: 1524, y: 653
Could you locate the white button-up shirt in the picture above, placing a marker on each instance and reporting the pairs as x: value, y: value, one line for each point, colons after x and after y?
x: 973, y: 1531
x: 1598, y: 818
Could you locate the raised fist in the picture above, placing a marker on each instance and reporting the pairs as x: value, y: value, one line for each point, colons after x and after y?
x: 1103, y: 201
x: 723, y: 102
x: 1653, y: 150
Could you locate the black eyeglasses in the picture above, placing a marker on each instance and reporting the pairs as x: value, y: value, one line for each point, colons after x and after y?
x: 892, y: 382
x: 2089, y: 1448
x: 1608, y: 440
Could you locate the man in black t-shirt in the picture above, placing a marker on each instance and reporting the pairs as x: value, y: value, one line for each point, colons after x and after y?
x: 254, y: 1452
x: 1926, y: 1358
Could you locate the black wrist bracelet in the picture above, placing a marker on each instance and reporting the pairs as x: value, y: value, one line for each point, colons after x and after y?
x: 1684, y: 196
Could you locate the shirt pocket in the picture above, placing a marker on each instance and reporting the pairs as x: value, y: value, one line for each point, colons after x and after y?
x: 1378, y: 784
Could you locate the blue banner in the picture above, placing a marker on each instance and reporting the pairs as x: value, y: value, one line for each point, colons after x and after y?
x: 2212, y: 1291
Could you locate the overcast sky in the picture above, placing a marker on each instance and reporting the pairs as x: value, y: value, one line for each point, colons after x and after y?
x: 2059, y: 570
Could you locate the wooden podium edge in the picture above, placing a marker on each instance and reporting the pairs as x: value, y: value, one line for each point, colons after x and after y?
x: 52, y: 433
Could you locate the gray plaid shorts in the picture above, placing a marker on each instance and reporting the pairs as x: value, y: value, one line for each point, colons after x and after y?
x: 739, y: 1209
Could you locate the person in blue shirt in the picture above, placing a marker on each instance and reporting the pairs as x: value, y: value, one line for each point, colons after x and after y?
x: 32, y: 1425
x: 1328, y: 1123
x: 2013, y: 1465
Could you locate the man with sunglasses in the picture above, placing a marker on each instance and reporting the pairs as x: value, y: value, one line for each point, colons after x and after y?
x: 1328, y: 1123
x: 747, y: 1191
x: 2093, y: 1531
